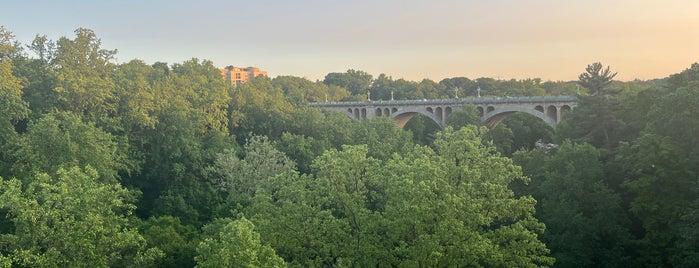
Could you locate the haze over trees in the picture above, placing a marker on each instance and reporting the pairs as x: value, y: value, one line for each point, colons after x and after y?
x: 106, y: 164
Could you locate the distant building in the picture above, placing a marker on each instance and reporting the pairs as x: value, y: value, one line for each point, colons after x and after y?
x: 238, y: 75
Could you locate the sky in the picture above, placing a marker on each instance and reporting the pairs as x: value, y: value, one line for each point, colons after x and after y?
x: 409, y: 39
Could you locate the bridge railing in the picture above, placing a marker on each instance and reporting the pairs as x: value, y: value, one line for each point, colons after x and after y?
x: 532, y: 99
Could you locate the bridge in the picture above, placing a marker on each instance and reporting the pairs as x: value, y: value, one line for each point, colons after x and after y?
x: 492, y: 110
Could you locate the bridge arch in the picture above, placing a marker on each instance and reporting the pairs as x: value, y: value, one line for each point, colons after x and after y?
x: 402, y: 117
x: 496, y: 116
x: 349, y: 113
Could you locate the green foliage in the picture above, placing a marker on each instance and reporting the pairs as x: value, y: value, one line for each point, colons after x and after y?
x: 382, y: 136
x: 586, y: 225
x: 8, y: 46
x: 234, y: 244
x: 300, y: 91
x: 301, y: 149
x: 362, y: 193
x: 71, y: 220
x: 12, y: 107
x: 423, y: 129
x: 461, y: 87
x: 526, y: 131
x: 357, y: 82
x: 201, y: 86
x: 467, y: 115
x: 134, y: 82
x: 177, y: 241
x: 596, y: 79
x: 258, y: 107
x: 664, y: 189
x: 82, y: 71
x: 418, y: 208
x: 597, y: 120
x: 661, y: 174
x: 241, y: 178
x: 12, y: 110
x: 62, y: 140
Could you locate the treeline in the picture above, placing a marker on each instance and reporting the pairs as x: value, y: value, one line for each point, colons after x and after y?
x: 166, y: 165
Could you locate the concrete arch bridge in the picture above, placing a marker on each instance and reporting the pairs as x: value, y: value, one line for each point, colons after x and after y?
x: 492, y: 110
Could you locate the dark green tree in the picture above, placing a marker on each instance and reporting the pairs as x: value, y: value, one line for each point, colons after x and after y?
x: 177, y: 241
x: 585, y: 222
x: 596, y: 79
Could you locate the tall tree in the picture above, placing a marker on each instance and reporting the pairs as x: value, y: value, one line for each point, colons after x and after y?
x: 83, y: 71
x: 12, y: 110
x: 596, y: 79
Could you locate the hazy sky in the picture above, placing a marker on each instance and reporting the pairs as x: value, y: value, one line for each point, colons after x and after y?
x: 435, y: 39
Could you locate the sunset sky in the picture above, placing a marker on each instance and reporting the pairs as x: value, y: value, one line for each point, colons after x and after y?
x: 410, y: 39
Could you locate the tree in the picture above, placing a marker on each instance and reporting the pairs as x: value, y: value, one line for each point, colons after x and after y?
x: 596, y: 79
x: 12, y: 110
x: 200, y: 84
x: 179, y: 242
x: 423, y: 129
x: 9, y: 48
x: 62, y: 139
x: 586, y: 224
x: 499, y: 228
x: 596, y: 120
x: 235, y: 244
x: 83, y: 84
x: 357, y: 82
x: 300, y: 91
x: 526, y: 130
x: 241, y: 178
x: 71, y: 219
x: 382, y: 136
x: 41, y: 75
x: 467, y: 115
x: 459, y: 86
x: 258, y: 107
x: 449, y: 207
x: 661, y: 174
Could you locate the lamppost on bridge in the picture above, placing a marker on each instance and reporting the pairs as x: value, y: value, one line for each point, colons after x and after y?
x: 391, y: 94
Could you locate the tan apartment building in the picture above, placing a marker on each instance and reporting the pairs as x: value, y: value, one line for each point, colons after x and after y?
x: 238, y: 75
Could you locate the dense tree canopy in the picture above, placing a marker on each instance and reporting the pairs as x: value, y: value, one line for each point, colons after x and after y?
x: 71, y: 220
x: 107, y: 164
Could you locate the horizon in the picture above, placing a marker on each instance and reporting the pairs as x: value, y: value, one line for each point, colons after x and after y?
x: 411, y: 40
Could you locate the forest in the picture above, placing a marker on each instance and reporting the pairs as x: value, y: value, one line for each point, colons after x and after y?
x: 106, y: 164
